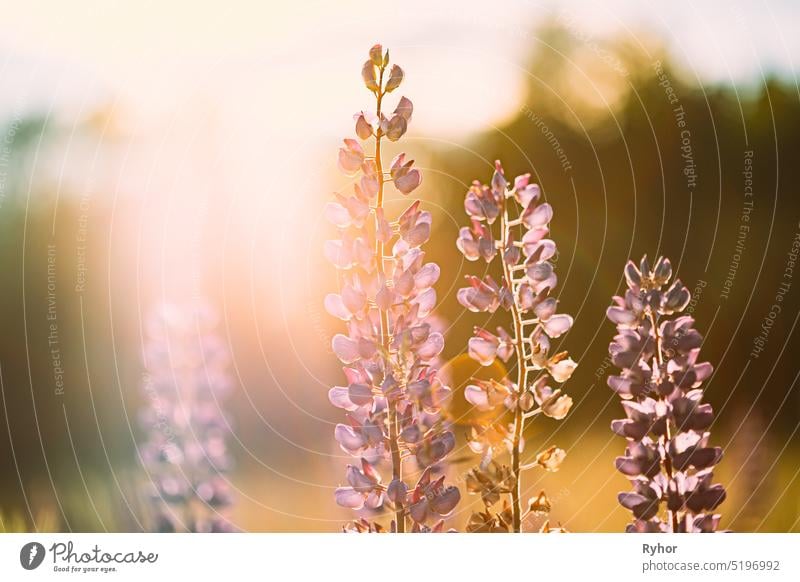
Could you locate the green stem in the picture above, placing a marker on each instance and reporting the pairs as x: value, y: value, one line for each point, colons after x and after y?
x: 394, y: 443
x: 672, y: 516
x: 519, y: 419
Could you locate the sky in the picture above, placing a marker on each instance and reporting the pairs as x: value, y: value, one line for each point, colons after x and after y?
x: 153, y: 53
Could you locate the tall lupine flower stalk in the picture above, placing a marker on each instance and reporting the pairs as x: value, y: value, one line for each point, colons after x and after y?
x: 528, y: 278
x: 185, y: 454
x: 668, y: 459
x: 393, y: 395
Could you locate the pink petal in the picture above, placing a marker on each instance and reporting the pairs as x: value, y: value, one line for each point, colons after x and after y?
x: 557, y: 325
x: 432, y: 347
x: 352, y: 299
x: 350, y: 157
x: 562, y: 371
x: 397, y: 490
x: 548, y: 283
x: 482, y: 350
x: 405, y: 108
x: 404, y: 284
x: 337, y: 215
x: 426, y: 301
x: 427, y: 276
x: 545, y: 248
x: 366, y: 348
x: 363, y: 128
x: 533, y: 236
x: 338, y: 254
x: 384, y: 298
x: 374, y: 499
x: 526, y: 297
x: 703, y: 371
x: 418, y: 235
x: 360, y: 394
x: 369, y: 186
x: 397, y: 127
x: 558, y: 408
x: 446, y: 501
x: 358, y: 480
x: 478, y: 299
x: 546, y: 309
x: 468, y: 246
x: 348, y: 497
x: 505, y: 351
x: 620, y: 316
x: 350, y: 441
x: 477, y: 397
x: 362, y: 254
x: 345, y: 348
x: 528, y: 194
x: 539, y: 217
x: 538, y: 272
x: 408, y: 181
x: 335, y: 306
x: 339, y: 398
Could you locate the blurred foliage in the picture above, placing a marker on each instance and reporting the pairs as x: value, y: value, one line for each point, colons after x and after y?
x: 619, y: 191
x: 625, y: 194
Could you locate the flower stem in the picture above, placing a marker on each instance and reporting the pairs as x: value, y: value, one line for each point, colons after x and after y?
x: 394, y: 444
x: 519, y: 419
x: 672, y: 515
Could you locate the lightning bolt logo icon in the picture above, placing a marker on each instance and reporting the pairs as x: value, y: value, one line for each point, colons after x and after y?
x: 34, y: 551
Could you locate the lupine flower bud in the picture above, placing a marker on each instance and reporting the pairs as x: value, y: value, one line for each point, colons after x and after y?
x: 395, y: 78
x: 376, y: 55
x: 363, y: 128
x: 368, y: 75
x: 351, y: 156
x: 396, y: 128
x: 405, y: 178
x: 404, y: 108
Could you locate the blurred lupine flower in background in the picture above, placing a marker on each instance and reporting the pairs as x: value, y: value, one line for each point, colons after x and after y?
x: 393, y: 396
x: 185, y: 454
x: 668, y: 459
x: 524, y: 292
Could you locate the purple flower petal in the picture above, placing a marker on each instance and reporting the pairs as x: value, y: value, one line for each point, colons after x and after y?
x: 477, y: 397
x: 432, y: 347
x: 482, y: 350
x: 345, y: 348
x: 557, y: 325
x: 349, y: 497
x: 335, y: 306
x: 350, y: 441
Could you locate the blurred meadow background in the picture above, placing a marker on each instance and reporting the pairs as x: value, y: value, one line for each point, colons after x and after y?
x: 183, y: 152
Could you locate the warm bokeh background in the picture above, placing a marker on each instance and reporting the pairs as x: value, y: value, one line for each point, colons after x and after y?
x: 160, y: 153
